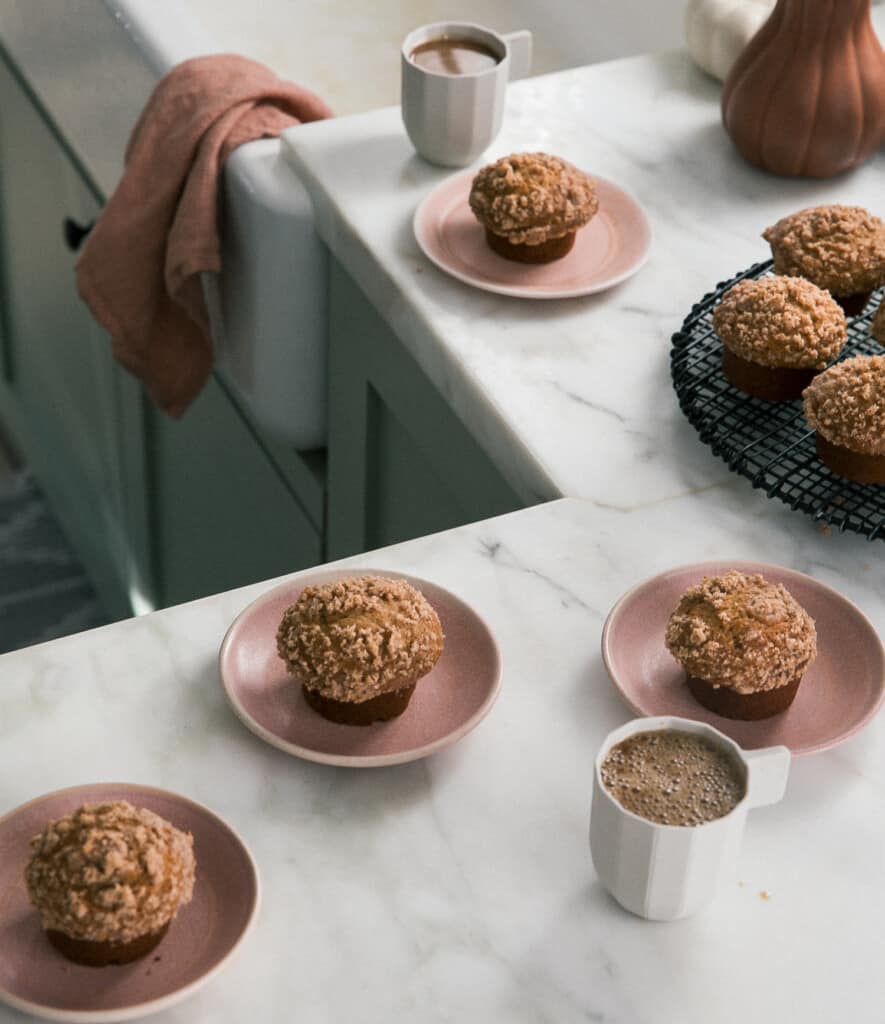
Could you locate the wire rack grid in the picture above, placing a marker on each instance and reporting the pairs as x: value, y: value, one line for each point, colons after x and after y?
x: 770, y: 443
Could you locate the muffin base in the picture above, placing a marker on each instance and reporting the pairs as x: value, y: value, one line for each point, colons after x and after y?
x: 545, y: 252
x: 90, y: 953
x: 855, y: 304
x: 773, y: 383
x: 857, y: 466
x: 748, y: 707
x: 347, y: 712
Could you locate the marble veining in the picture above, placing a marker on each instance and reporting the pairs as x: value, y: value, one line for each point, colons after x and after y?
x: 461, y: 887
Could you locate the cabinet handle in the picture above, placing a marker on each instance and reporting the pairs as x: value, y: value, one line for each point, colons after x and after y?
x: 75, y: 233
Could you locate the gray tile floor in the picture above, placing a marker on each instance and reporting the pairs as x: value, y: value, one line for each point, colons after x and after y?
x: 44, y: 592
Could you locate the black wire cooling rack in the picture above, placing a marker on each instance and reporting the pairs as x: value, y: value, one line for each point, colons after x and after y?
x: 770, y: 443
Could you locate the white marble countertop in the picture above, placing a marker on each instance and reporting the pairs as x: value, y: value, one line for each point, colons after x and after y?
x: 571, y: 397
x: 461, y: 887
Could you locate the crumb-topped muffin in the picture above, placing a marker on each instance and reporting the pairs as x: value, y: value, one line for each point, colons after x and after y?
x: 777, y: 333
x: 846, y: 406
x: 107, y: 880
x: 839, y: 248
x: 744, y: 644
x: 531, y: 205
x: 359, y: 646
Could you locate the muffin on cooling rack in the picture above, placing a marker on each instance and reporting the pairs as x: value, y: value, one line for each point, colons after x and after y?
x: 359, y: 646
x: 107, y: 881
x: 744, y: 643
x: 532, y: 205
x: 776, y: 334
x: 839, y: 248
x: 846, y: 407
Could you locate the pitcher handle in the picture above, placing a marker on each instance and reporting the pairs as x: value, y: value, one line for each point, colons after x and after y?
x: 519, y: 47
x: 767, y: 772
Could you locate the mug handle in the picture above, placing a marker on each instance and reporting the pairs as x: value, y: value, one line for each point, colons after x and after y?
x: 767, y: 772
x: 519, y: 48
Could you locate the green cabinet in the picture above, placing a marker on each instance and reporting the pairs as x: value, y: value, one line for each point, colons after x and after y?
x: 159, y: 511
x: 401, y: 464
x: 60, y: 390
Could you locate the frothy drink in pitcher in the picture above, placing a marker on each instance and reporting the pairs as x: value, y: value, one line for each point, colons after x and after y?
x: 447, y: 56
x: 673, y: 777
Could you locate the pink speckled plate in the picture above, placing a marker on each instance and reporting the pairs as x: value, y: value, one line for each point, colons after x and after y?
x: 611, y: 248
x: 839, y: 694
x: 38, y: 980
x: 448, y: 702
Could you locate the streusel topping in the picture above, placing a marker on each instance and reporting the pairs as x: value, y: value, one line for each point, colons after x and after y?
x: 741, y: 632
x: 846, y: 404
x: 840, y: 248
x: 110, y: 872
x: 781, y: 321
x: 529, y: 198
x: 360, y: 637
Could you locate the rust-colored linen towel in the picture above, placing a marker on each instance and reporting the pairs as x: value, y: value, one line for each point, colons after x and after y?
x: 139, y: 270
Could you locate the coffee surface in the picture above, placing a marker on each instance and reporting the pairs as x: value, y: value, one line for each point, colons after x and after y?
x: 446, y: 56
x: 673, y: 777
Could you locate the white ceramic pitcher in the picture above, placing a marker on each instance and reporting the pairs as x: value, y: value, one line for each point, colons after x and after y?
x: 664, y: 872
x: 451, y: 119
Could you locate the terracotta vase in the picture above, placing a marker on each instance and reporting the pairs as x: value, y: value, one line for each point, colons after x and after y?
x: 807, y: 96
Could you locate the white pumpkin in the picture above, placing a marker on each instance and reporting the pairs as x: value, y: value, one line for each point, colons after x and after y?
x: 717, y: 30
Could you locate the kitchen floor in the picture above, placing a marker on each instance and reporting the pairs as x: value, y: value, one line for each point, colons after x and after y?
x: 44, y: 592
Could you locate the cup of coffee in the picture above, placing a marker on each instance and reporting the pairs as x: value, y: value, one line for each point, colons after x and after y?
x: 670, y: 799
x: 454, y: 76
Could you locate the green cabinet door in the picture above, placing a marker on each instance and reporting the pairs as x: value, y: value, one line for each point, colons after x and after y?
x: 401, y: 464
x: 61, y: 389
x: 224, y: 514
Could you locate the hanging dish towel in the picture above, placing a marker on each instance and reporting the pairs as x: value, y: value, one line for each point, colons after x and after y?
x: 139, y: 270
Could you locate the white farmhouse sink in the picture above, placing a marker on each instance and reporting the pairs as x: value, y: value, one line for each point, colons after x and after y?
x: 94, y: 62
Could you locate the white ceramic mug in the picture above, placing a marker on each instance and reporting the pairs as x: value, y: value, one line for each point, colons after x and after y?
x: 664, y: 872
x: 451, y: 119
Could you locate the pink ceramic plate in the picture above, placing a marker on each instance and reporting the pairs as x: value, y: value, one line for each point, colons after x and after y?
x: 447, y: 703
x: 839, y: 694
x: 36, y: 979
x: 611, y: 248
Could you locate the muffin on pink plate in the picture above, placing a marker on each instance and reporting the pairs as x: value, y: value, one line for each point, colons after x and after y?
x: 107, y: 880
x: 532, y: 206
x: 744, y: 644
